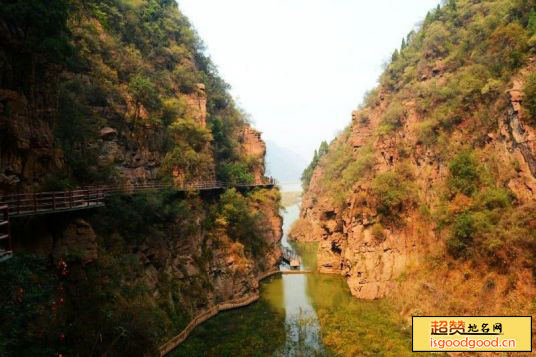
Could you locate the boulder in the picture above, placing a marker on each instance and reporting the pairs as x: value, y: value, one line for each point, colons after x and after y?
x: 79, y: 240
x: 108, y: 133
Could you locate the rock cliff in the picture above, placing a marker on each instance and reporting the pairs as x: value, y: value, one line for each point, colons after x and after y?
x: 115, y: 92
x: 400, y: 205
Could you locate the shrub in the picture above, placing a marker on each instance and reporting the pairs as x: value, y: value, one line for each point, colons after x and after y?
x: 172, y: 109
x: 370, y: 98
x: 427, y: 133
x: 462, y: 235
x: 393, y: 116
x: 308, y: 172
x: 531, y: 26
x: 530, y: 97
x: 436, y: 39
x: 192, y: 165
x: 358, y: 167
x: 25, y: 306
x: 393, y: 192
x: 188, y: 131
x: 144, y: 93
x: 43, y: 27
x: 470, y: 81
x: 508, y: 45
x: 242, y: 222
x: 464, y: 176
x: 236, y: 172
x: 493, y: 198
x: 377, y: 232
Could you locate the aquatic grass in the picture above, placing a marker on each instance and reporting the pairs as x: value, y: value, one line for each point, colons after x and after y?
x: 256, y: 330
x: 351, y: 327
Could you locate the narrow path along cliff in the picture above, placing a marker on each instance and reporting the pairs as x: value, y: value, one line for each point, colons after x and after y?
x: 305, y: 315
x: 137, y: 212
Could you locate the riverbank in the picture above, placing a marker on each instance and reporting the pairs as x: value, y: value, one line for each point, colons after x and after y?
x: 210, y: 313
x: 305, y: 314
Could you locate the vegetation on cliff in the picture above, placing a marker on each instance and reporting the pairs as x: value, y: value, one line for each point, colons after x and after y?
x: 153, y: 270
x: 121, y: 91
x: 444, y: 144
x: 135, y: 66
x: 308, y: 172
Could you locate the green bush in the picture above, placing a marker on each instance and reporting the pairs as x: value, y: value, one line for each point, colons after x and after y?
x: 308, y: 172
x: 40, y: 26
x: 28, y: 327
x: 359, y: 167
x: 188, y: 132
x: 464, y: 177
x: 529, y: 101
x: 493, y: 198
x: 144, y: 93
x: 531, y: 26
x: 436, y: 40
x: 393, y: 117
x: 393, y: 192
x: 461, y: 239
x: 508, y: 46
x: 194, y: 166
x: 236, y: 172
x: 370, y: 99
x: 144, y: 212
x: 242, y: 223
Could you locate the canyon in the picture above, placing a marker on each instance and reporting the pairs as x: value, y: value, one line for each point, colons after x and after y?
x: 388, y: 218
x: 423, y: 205
x: 109, y: 107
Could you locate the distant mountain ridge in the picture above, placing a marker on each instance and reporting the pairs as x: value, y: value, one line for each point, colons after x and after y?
x: 284, y: 164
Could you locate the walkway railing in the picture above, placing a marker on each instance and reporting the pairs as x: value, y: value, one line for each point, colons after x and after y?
x: 211, y: 312
x: 5, y: 236
x: 25, y: 204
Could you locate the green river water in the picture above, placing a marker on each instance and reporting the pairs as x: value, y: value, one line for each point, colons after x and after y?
x: 302, y: 315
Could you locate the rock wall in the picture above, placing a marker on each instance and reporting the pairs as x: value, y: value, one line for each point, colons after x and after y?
x: 255, y: 149
x: 373, y: 259
x: 203, y: 267
x: 27, y: 143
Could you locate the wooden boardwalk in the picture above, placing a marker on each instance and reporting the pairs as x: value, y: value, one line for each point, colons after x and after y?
x: 36, y: 203
x: 29, y: 204
x: 204, y: 316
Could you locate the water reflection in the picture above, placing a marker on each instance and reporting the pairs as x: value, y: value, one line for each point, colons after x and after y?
x: 303, y: 328
x: 302, y: 315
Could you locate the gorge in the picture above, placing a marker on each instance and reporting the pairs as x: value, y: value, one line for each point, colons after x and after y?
x: 141, y: 218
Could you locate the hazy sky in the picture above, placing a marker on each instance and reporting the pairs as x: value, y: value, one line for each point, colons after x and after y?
x: 300, y: 67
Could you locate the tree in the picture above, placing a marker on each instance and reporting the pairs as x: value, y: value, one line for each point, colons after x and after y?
x: 308, y: 172
x: 464, y: 177
x: 394, y: 57
x: 530, y: 97
x: 532, y: 22
x: 39, y: 25
x: 323, y: 150
x: 144, y: 93
x: 437, y: 39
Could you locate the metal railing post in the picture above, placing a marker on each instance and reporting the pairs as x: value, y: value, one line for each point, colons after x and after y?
x: 8, y: 229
